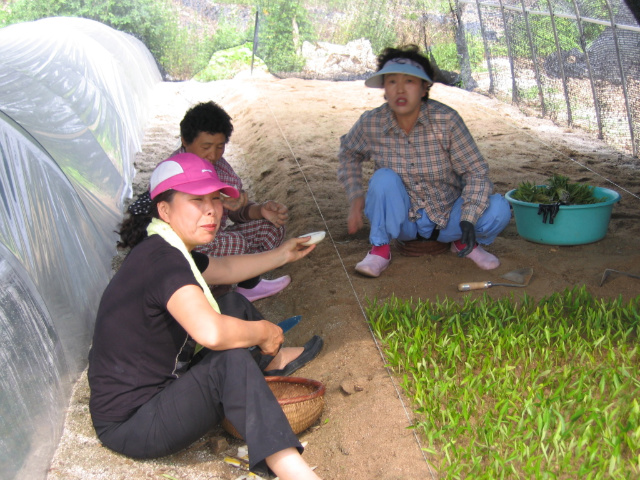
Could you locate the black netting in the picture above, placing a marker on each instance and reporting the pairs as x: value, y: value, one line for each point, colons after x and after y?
x: 574, y: 61
x: 577, y: 63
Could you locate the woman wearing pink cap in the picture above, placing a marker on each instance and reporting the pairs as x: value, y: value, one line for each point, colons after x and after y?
x: 430, y: 179
x: 165, y: 365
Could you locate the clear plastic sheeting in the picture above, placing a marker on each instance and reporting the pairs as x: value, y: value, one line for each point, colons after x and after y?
x: 79, y: 87
x: 34, y: 391
x: 73, y: 102
x: 50, y: 233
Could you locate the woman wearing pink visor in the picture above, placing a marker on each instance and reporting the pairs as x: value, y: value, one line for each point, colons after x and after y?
x: 165, y: 365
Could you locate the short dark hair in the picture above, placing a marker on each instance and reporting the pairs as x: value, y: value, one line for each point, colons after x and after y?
x: 208, y: 117
x: 412, y: 52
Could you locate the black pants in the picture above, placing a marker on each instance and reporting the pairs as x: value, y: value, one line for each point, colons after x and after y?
x: 237, y: 305
x: 221, y: 384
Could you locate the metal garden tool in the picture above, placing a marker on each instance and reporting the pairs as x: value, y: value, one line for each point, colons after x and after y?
x: 286, y: 325
x: 289, y: 323
x: 609, y: 271
x: 519, y: 278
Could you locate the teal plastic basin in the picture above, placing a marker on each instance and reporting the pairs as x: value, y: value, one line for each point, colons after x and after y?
x: 573, y: 224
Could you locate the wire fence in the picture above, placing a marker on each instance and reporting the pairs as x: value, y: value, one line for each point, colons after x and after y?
x: 576, y: 62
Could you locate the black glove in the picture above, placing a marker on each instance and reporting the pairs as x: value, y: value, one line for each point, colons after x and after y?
x: 468, y: 238
x: 549, y: 211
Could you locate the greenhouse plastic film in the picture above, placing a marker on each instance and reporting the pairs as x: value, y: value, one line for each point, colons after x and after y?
x: 73, y: 102
x: 33, y: 389
x: 80, y: 88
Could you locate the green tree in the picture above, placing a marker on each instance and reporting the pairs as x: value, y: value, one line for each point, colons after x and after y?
x: 148, y: 20
x: 181, y: 50
x: 283, y: 26
x: 566, y: 29
x: 375, y: 21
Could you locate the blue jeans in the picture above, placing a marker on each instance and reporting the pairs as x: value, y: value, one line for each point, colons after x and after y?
x: 387, y: 207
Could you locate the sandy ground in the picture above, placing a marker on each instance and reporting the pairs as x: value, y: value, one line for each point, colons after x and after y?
x: 285, y: 146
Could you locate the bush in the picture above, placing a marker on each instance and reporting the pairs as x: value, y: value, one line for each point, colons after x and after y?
x: 227, y: 35
x: 377, y: 24
x: 542, y: 32
x: 186, y: 53
x: 446, y: 54
x: 283, y: 27
x: 225, y: 64
x: 181, y: 51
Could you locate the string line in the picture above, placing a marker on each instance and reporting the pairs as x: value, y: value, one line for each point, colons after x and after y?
x: 364, y: 315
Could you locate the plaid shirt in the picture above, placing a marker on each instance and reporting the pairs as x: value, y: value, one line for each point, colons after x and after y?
x: 438, y: 161
x: 227, y: 175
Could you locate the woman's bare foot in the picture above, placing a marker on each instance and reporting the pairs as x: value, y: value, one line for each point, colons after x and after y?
x: 289, y: 465
x: 284, y: 357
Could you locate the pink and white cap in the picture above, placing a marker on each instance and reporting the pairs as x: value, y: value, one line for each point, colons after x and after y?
x: 187, y: 173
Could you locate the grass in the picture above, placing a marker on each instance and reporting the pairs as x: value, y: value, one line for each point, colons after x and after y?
x: 506, y: 389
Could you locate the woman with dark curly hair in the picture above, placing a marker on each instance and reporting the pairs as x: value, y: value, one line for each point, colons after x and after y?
x: 430, y: 179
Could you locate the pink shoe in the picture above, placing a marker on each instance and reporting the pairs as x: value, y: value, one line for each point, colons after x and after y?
x: 482, y: 258
x: 372, y: 265
x: 265, y: 288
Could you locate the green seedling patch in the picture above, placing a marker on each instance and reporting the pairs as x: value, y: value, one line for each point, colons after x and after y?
x: 517, y: 388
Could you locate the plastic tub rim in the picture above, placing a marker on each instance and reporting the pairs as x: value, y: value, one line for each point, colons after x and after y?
x: 614, y: 197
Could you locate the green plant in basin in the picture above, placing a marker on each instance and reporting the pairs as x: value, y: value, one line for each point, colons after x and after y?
x: 557, y: 190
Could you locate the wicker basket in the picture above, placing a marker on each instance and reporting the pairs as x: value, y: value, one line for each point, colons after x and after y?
x: 301, y: 399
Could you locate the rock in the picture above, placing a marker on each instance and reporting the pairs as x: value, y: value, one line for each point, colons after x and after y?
x: 218, y: 445
x: 359, y: 384
x: 355, y: 60
x: 347, y: 387
x: 351, y: 386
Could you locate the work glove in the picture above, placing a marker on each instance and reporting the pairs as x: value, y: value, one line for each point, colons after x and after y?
x: 468, y: 238
x: 549, y: 211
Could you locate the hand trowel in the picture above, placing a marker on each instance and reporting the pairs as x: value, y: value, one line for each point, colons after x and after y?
x: 519, y: 278
x: 286, y: 325
x: 289, y: 323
